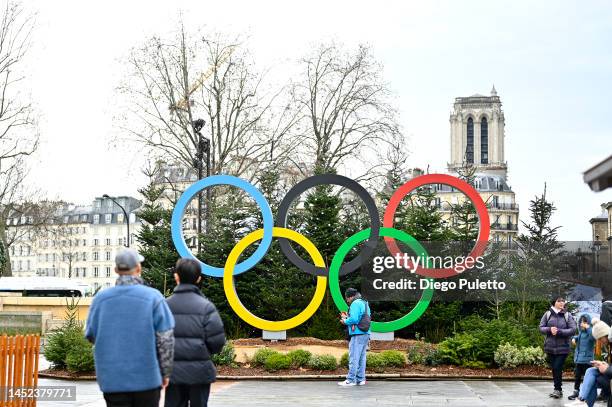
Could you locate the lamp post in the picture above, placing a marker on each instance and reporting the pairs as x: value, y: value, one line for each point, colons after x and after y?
x: 127, y: 219
x: 202, y: 148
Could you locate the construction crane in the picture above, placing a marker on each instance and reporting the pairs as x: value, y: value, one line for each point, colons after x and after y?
x: 183, y: 103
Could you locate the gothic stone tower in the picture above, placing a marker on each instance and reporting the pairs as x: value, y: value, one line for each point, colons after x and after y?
x: 477, y: 134
x: 477, y: 137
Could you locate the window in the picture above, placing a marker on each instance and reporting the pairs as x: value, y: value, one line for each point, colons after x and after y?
x: 108, y: 256
x: 469, y: 149
x: 107, y: 218
x: 96, y: 219
x: 95, y: 242
x: 66, y: 219
x: 96, y: 286
x: 96, y: 272
x: 76, y: 272
x: 84, y: 271
x: 84, y: 256
x: 108, y: 272
x: 96, y: 256
x: 484, y: 141
x: 108, y: 242
x: 84, y: 242
x: 120, y: 218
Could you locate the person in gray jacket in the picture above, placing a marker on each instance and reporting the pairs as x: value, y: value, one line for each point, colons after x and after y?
x: 198, y: 335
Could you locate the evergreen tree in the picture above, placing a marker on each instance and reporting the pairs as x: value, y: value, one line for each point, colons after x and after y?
x: 155, y: 239
x: 535, y: 265
x: 464, y: 220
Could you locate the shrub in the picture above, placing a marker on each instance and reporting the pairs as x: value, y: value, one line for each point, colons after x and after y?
x: 474, y: 364
x: 226, y: 357
x: 344, y: 360
x: 432, y: 357
x: 458, y: 349
x: 510, y: 356
x: 299, y: 357
x: 80, y: 357
x: 375, y: 362
x: 322, y: 362
x: 59, y: 344
x: 393, y: 358
x: 534, y: 355
x: 277, y: 361
x: 260, y: 357
x: 421, y: 353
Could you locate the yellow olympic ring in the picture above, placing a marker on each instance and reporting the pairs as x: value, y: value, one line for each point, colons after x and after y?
x: 240, y: 309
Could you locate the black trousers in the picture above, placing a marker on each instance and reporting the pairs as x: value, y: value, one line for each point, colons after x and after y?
x: 556, y: 364
x: 579, y: 371
x: 179, y: 395
x: 147, y: 398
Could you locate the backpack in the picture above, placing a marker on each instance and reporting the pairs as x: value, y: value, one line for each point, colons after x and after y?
x: 566, y: 316
x: 366, y: 319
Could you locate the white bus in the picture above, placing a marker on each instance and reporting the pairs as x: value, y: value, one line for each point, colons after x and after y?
x: 43, y: 287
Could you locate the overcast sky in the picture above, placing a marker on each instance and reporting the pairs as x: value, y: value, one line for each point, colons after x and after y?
x: 551, y: 62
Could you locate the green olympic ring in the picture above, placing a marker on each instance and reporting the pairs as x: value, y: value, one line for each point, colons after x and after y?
x: 334, y: 281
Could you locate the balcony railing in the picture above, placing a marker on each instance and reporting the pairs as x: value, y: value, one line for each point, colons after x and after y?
x: 446, y: 206
x: 504, y: 226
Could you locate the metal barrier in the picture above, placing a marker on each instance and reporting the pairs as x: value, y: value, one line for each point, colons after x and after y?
x: 18, y: 370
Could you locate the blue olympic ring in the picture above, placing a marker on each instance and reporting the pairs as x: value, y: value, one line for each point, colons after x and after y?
x: 181, y: 206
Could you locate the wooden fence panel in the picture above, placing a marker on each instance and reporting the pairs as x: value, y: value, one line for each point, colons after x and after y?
x: 18, y: 368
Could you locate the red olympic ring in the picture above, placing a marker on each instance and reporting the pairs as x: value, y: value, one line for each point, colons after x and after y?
x: 467, y: 189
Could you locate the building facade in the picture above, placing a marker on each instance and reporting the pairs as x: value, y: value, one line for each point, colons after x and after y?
x: 78, y: 242
x: 477, y: 143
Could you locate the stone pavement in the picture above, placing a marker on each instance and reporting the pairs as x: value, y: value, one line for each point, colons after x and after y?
x: 375, y: 393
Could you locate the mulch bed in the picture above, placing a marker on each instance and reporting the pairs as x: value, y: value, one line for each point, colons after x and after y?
x: 413, y: 371
x: 396, y: 344
x: 417, y: 370
x: 66, y: 374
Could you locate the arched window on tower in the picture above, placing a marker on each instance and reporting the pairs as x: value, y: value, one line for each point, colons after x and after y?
x: 469, y: 149
x: 484, y: 141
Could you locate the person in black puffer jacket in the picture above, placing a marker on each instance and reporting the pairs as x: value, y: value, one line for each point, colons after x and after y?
x: 198, y: 335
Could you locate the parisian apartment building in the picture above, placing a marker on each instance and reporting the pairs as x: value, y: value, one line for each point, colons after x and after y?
x: 77, y: 242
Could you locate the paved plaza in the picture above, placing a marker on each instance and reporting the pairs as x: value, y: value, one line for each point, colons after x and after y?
x: 375, y: 393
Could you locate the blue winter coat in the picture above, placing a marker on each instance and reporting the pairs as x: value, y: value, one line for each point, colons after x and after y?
x: 585, y: 344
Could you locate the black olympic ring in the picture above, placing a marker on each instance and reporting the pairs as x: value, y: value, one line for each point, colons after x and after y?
x: 333, y: 179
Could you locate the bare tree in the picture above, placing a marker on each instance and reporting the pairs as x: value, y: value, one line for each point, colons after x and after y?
x: 175, y: 83
x: 346, y: 106
x: 18, y: 136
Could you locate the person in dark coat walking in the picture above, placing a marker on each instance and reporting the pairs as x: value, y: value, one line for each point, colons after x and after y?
x: 559, y: 326
x: 198, y: 335
x: 584, y: 352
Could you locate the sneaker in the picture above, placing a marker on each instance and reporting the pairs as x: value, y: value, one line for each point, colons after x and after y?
x: 361, y: 383
x: 346, y: 383
x: 602, y: 397
x: 573, y: 396
x: 556, y: 394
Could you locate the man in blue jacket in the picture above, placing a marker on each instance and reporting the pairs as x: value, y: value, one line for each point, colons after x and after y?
x: 358, y: 314
x: 131, y: 327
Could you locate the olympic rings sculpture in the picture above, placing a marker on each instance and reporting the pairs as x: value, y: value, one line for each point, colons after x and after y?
x: 325, y: 276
